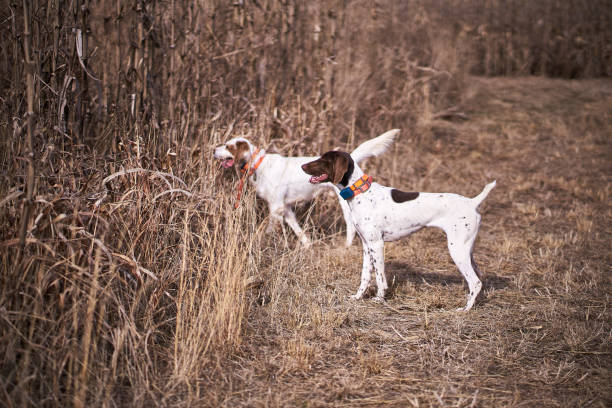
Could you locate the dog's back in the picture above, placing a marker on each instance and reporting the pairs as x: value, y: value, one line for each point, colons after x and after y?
x: 281, y: 179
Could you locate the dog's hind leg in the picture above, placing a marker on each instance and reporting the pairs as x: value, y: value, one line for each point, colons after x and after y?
x: 476, y: 269
x: 276, y: 217
x: 460, y: 244
x: 474, y: 266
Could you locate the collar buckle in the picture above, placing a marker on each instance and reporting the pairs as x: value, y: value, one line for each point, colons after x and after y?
x: 252, y: 169
x: 360, y: 186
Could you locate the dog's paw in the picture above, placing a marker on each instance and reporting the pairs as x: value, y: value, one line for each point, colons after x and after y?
x: 355, y: 297
x: 378, y: 299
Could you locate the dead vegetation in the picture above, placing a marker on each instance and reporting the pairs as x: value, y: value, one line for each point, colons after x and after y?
x: 128, y: 279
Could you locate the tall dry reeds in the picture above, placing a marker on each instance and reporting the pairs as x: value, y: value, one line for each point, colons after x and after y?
x: 146, y: 275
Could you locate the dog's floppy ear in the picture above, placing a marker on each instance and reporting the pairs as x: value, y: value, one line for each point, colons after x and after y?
x: 242, y: 148
x: 341, y: 163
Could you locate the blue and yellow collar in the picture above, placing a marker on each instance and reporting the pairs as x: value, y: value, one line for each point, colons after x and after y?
x: 360, y: 186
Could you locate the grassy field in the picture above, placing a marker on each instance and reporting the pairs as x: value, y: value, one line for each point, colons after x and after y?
x: 131, y: 298
x: 540, y: 335
x: 128, y: 279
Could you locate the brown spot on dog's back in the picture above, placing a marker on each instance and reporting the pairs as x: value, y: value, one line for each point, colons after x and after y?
x: 401, y: 196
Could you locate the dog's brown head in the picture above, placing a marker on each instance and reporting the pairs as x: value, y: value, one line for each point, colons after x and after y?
x: 335, y: 167
x: 234, y: 151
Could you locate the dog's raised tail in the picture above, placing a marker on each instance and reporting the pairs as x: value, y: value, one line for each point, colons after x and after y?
x: 484, y: 193
x: 374, y: 147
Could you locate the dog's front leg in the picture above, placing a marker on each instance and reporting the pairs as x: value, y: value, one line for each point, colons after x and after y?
x: 366, y: 272
x: 378, y: 263
x: 292, y: 222
x: 348, y: 220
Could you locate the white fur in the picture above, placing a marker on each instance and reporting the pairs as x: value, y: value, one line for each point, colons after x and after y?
x: 378, y: 218
x: 374, y: 147
x: 281, y: 182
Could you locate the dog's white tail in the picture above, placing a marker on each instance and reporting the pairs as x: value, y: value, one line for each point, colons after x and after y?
x: 483, y: 194
x: 374, y: 147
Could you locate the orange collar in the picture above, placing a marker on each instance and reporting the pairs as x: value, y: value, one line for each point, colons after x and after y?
x: 247, y: 173
x: 360, y: 186
x: 252, y: 170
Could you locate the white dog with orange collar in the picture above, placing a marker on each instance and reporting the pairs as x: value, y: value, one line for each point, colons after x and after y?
x: 386, y: 214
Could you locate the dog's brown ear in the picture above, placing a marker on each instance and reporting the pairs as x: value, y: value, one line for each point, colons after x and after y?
x: 341, y: 163
x: 242, y: 150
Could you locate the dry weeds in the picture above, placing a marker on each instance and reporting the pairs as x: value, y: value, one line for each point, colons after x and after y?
x: 540, y: 335
x: 135, y: 293
x: 134, y: 282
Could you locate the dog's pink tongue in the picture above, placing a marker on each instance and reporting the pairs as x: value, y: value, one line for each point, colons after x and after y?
x: 317, y: 179
x: 227, y: 163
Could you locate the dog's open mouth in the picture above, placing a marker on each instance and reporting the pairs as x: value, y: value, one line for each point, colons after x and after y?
x: 227, y: 163
x: 318, y: 179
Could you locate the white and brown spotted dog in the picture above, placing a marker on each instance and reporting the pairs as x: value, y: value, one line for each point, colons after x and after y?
x: 281, y: 182
x: 386, y: 214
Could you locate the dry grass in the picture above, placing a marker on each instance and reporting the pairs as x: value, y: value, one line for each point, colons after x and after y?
x: 540, y: 335
x: 136, y: 283
x: 131, y: 298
